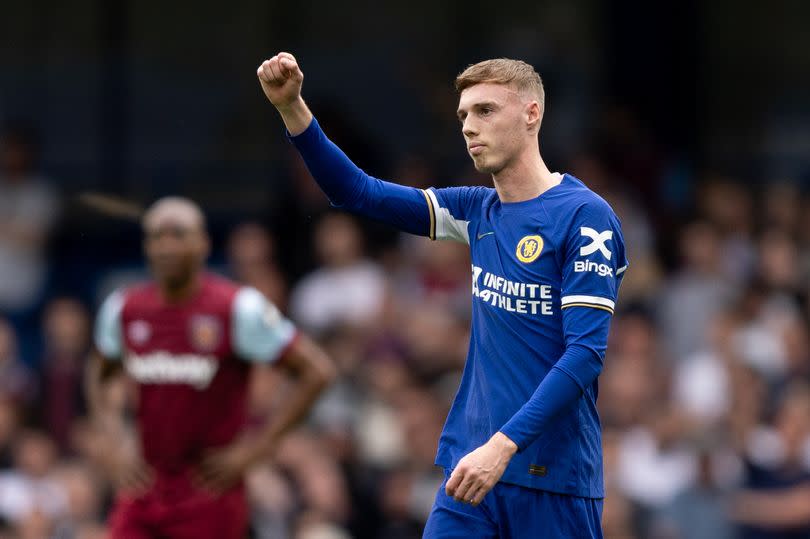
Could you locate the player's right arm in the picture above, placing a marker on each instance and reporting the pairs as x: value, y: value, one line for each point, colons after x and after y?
x: 115, y: 449
x: 105, y: 360
x: 436, y: 213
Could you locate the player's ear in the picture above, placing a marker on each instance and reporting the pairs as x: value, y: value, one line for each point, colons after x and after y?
x: 534, y: 114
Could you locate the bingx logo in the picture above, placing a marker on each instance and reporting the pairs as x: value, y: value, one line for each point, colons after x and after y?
x: 598, y: 240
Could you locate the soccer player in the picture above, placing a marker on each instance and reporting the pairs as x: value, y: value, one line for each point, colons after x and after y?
x: 522, y: 444
x: 188, y: 340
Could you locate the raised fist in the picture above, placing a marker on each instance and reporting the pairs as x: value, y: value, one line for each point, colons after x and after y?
x: 281, y: 79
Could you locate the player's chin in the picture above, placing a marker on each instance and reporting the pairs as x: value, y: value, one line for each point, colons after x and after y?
x: 171, y: 274
x: 485, y: 166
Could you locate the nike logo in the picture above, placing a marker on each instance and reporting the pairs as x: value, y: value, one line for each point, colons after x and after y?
x: 484, y: 234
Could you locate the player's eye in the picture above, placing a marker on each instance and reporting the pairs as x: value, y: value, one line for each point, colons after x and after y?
x: 486, y: 111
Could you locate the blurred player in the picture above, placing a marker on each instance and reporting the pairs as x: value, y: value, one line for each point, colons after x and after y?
x: 187, y: 340
x: 522, y: 444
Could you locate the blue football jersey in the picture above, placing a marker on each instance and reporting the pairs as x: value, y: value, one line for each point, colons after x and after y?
x: 531, y: 262
x: 545, y: 276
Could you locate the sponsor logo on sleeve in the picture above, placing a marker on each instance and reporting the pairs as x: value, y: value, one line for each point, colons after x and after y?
x: 603, y: 270
x: 597, y: 244
x: 598, y: 240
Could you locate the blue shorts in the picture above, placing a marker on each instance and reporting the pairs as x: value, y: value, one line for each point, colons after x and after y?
x: 514, y: 512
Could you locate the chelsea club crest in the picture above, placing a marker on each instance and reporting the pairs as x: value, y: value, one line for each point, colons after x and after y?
x: 528, y: 248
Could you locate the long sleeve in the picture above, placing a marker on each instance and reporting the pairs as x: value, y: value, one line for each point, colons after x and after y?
x: 349, y: 187
x: 576, y: 369
x: 592, y: 269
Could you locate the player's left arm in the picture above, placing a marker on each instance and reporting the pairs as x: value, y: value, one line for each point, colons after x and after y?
x: 592, y: 268
x: 115, y: 450
x: 263, y: 335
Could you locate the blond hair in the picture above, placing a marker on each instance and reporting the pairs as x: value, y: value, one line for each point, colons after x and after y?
x: 516, y: 73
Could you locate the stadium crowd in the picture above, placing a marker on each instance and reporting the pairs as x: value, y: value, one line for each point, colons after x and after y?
x: 704, y: 398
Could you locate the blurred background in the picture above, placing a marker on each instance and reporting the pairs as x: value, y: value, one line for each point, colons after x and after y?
x: 692, y: 118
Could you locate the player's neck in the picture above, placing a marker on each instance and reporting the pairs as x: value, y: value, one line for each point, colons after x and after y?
x: 178, y: 292
x: 527, y: 178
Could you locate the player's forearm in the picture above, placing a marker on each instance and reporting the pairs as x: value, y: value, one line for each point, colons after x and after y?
x: 312, y: 371
x: 343, y: 182
x: 586, y: 331
x: 296, y: 116
x: 102, y: 416
x: 347, y: 186
x: 92, y: 386
x: 339, y: 178
x: 555, y: 394
x: 306, y: 392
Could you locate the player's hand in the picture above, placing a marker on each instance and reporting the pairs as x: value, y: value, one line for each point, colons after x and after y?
x: 223, y: 468
x: 127, y: 471
x: 480, y: 470
x: 281, y: 79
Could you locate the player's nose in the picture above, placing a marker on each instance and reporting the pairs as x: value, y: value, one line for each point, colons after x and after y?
x: 468, y: 129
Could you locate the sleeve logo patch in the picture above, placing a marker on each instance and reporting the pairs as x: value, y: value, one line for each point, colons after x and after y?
x: 598, y: 240
x: 529, y: 248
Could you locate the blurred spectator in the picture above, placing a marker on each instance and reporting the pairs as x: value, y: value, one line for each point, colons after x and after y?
x: 29, y: 494
x: 803, y: 237
x: 312, y: 526
x: 779, y: 266
x: 700, y: 511
x: 618, y: 511
x: 318, y: 481
x: 400, y: 521
x: 17, y: 382
x: 796, y: 341
x: 782, y: 206
x: 775, y: 501
x: 271, y: 501
x: 84, y: 498
x: 617, y: 516
x: 696, y: 294
x: 28, y: 208
x: 633, y: 376
x: 654, y: 463
x: 347, y: 289
x: 729, y: 207
x: 66, y: 330
x: 758, y: 338
x: 433, y: 271
x: 701, y: 383
x: 9, y: 425
x: 251, y: 252
x: 421, y: 425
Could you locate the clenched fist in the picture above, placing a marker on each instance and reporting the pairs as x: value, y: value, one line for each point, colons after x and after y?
x: 281, y: 80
